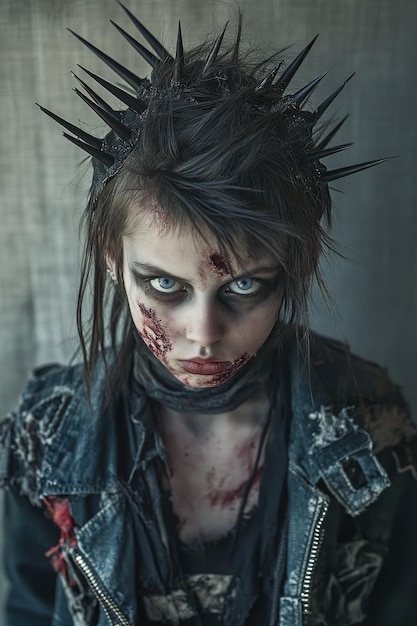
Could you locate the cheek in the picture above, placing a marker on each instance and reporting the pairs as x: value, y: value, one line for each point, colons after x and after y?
x: 152, y: 329
x: 257, y: 329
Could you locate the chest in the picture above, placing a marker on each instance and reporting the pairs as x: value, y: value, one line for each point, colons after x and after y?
x: 210, y: 480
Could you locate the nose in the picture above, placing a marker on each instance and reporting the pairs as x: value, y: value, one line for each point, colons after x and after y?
x: 205, y: 323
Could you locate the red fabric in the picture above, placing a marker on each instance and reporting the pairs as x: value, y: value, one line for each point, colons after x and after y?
x: 59, y: 511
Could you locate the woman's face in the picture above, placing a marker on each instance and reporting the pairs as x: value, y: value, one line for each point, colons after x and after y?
x: 202, y: 315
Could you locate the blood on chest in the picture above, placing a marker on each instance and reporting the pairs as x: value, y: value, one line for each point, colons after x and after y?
x: 209, y: 479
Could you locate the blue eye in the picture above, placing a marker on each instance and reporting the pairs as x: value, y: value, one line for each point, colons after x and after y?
x: 244, y: 286
x: 165, y: 284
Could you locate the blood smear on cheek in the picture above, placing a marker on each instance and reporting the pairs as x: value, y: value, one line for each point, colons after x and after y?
x: 153, y: 333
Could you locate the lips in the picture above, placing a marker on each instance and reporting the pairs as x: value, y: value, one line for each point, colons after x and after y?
x: 205, y: 367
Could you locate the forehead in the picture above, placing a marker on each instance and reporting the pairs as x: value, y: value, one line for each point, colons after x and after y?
x: 152, y: 232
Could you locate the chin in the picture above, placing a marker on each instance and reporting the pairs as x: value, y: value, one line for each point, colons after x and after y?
x: 203, y: 382
x: 200, y: 384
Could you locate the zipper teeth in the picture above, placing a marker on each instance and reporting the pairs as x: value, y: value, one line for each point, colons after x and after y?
x: 312, y: 559
x: 105, y: 599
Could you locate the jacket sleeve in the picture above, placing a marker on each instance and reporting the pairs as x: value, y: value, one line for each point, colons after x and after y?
x: 394, y: 597
x: 28, y: 534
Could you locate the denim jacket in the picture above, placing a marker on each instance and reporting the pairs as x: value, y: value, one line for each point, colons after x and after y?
x: 352, y: 498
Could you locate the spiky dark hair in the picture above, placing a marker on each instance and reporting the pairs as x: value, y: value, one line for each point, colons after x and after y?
x: 216, y: 142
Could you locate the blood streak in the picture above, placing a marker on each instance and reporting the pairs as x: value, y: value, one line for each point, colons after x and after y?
x: 153, y: 333
x: 218, y: 264
x: 234, y: 366
x: 227, y: 497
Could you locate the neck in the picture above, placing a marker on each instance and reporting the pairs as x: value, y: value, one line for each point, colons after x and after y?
x: 250, y: 414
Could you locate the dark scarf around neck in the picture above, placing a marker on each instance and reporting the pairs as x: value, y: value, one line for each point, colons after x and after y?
x: 153, y: 380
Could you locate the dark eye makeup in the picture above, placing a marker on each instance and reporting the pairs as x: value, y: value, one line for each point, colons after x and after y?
x: 244, y: 289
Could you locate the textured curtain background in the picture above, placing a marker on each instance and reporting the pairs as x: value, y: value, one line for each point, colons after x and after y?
x: 43, y: 188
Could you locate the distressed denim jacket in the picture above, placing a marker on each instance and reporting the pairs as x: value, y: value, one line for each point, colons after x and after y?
x: 352, y: 498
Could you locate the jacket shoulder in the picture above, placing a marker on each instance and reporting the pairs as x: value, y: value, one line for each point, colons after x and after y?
x: 46, y: 394
x: 28, y: 430
x: 48, y: 380
x: 346, y: 373
x: 374, y: 401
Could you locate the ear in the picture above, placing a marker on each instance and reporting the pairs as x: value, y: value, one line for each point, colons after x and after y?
x: 110, y: 263
x: 111, y: 268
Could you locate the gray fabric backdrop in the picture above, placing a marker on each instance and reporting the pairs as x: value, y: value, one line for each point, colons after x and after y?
x: 43, y: 189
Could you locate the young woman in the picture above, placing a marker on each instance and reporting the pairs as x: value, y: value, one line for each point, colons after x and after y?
x: 211, y: 462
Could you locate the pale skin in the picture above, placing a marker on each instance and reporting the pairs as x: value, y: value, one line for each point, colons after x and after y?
x: 188, y: 302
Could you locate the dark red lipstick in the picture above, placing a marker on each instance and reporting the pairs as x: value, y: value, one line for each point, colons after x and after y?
x: 205, y: 367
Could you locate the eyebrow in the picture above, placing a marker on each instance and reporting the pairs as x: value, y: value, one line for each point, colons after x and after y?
x: 154, y: 270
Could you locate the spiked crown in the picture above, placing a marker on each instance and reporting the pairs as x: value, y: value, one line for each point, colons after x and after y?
x: 109, y: 153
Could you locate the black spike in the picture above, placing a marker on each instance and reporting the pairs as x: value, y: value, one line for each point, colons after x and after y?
x: 321, y: 154
x: 267, y: 80
x: 95, y: 142
x: 146, y: 54
x: 132, y: 80
x: 327, y: 139
x: 133, y: 103
x: 289, y: 73
x: 152, y: 41
x: 326, y: 103
x: 179, y: 57
x: 351, y: 169
x: 214, y: 50
x: 104, y: 157
x: 101, y: 103
x: 302, y: 94
x: 111, y: 120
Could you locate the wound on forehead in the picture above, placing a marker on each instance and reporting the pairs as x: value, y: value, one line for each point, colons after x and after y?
x: 218, y: 264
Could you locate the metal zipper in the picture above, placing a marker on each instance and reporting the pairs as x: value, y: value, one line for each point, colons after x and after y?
x: 312, y: 559
x: 109, y: 606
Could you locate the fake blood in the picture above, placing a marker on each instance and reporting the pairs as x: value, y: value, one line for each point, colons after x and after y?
x: 234, y: 366
x: 59, y: 511
x: 225, y: 497
x: 153, y: 332
x: 218, y: 264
